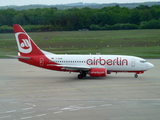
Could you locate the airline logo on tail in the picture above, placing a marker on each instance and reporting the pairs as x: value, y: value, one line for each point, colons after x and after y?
x: 24, y: 42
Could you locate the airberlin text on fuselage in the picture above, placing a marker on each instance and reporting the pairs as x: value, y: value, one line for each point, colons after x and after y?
x: 117, y: 61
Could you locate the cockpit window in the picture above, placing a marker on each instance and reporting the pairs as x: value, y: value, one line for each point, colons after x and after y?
x: 143, y: 61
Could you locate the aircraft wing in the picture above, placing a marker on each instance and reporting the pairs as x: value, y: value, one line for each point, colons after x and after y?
x: 73, y: 67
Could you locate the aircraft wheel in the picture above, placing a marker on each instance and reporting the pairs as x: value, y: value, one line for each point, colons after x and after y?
x: 84, y: 74
x: 136, y: 76
x: 80, y: 76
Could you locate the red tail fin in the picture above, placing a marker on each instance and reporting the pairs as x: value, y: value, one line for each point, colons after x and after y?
x: 25, y: 44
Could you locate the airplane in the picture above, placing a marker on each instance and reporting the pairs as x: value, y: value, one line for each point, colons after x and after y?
x: 93, y: 65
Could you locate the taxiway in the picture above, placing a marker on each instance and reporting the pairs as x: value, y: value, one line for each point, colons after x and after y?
x: 31, y: 93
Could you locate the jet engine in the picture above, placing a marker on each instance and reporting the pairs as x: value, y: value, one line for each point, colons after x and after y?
x: 98, y: 72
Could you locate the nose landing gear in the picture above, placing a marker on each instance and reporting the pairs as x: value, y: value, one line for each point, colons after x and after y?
x: 136, y: 75
x: 139, y: 72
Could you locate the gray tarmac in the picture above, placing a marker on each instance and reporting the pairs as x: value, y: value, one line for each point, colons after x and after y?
x: 31, y: 93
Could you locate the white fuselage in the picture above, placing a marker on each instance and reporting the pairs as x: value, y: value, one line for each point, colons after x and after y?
x: 110, y: 62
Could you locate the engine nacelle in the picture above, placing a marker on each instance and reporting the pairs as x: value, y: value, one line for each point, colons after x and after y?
x: 98, y: 72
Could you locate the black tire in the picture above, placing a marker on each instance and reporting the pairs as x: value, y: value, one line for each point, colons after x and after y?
x: 80, y: 76
x: 84, y: 74
x: 136, y: 76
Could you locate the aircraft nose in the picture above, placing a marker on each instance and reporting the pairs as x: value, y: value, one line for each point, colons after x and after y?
x: 150, y: 65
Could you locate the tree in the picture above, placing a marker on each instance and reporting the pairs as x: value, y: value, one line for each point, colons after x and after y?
x: 94, y: 27
x: 153, y: 24
x: 142, y: 7
x: 9, y: 14
x: 19, y: 19
x: 134, y: 17
x: 145, y: 15
x: 115, y: 17
x: 3, y: 20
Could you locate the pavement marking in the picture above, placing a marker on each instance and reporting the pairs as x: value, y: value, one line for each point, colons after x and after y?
x: 26, y: 118
x: 27, y: 108
x: 67, y: 108
x: 30, y: 104
x: 74, y: 109
x: 67, y: 89
x: 90, y: 107
x: 106, y: 105
x: 58, y: 112
x: 41, y: 115
x: 10, y: 111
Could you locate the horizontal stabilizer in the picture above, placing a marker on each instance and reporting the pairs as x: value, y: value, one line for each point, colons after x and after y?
x: 27, y: 58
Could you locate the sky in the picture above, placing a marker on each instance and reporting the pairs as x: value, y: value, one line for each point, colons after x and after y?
x: 53, y: 2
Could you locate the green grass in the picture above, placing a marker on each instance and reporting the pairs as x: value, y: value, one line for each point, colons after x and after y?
x: 142, y: 43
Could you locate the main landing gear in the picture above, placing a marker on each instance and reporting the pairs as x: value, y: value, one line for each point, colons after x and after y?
x: 81, y: 75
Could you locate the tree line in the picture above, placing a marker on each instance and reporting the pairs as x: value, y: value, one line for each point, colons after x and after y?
x: 107, y: 18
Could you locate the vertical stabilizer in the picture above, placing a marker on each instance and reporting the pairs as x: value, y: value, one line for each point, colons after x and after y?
x: 25, y: 44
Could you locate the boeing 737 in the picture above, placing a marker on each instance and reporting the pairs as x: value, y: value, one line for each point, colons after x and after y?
x: 93, y: 65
